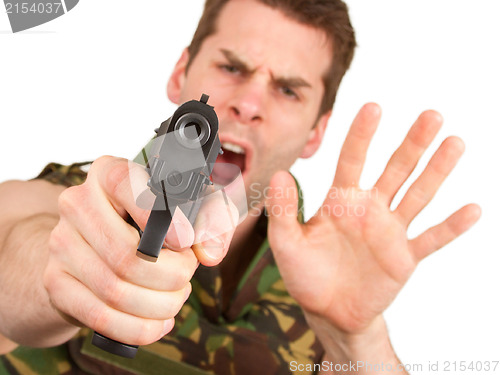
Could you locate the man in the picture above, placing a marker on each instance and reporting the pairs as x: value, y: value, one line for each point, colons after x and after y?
x: 68, y: 255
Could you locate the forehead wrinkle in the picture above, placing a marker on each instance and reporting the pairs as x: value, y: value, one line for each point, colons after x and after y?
x: 284, y: 80
x: 229, y: 19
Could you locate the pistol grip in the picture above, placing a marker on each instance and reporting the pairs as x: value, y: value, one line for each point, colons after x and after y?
x: 113, y: 346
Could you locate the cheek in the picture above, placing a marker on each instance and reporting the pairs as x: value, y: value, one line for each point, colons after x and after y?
x: 289, y: 137
x: 280, y: 151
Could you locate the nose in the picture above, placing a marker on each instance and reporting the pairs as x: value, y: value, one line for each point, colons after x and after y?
x: 247, y: 104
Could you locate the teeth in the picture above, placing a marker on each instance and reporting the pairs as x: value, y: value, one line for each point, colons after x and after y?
x: 233, y: 148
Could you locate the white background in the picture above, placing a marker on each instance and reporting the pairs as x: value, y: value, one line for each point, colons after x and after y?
x: 93, y: 82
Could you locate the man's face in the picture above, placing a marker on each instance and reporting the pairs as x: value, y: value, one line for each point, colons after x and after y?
x: 263, y: 73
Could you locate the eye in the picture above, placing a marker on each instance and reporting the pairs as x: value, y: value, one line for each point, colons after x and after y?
x: 229, y: 68
x: 288, y: 92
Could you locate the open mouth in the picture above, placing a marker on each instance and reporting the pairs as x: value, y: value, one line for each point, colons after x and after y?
x: 233, y: 161
x: 233, y: 154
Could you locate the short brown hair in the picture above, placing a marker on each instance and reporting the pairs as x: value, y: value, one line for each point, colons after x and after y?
x: 330, y: 16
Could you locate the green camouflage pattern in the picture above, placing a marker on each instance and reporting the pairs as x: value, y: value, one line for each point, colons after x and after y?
x: 261, y: 332
x: 67, y: 175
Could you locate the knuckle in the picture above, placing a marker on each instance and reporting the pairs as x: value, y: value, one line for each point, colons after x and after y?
x: 127, y: 239
x: 124, y: 266
x: 57, y: 240
x: 52, y: 280
x: 177, y: 305
x: 68, y: 201
x: 171, y: 305
x: 175, y: 284
x: 400, y: 168
x: 183, y: 276
x: 350, y: 159
x: 96, y: 316
x: 119, y: 242
x: 100, y: 163
x: 130, y: 238
x: 149, y: 331
x: 113, y: 291
x: 109, y: 238
x: 117, y: 176
x: 49, y: 279
x: 104, y: 282
x: 420, y: 194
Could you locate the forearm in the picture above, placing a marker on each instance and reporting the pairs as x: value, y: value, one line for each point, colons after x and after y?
x: 26, y: 315
x: 369, y: 352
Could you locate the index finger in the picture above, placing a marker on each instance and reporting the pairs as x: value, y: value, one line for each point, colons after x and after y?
x: 353, y: 153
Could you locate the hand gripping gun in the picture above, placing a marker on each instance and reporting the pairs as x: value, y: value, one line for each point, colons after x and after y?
x: 179, y: 165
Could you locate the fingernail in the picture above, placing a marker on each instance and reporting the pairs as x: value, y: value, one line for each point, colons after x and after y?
x: 213, y: 246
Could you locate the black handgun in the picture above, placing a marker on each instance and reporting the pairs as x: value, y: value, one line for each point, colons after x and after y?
x: 179, y: 164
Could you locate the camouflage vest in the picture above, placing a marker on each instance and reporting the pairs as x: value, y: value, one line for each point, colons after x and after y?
x: 261, y: 332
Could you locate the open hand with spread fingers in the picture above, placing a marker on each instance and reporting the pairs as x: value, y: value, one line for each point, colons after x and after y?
x: 350, y: 260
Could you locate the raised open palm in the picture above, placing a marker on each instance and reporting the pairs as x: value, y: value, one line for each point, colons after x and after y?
x: 349, y: 261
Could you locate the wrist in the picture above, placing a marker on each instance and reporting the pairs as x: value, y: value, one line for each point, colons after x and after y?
x: 369, y: 346
x: 347, y: 344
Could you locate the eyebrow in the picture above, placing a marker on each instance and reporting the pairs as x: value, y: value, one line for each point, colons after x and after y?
x: 237, y: 62
x: 292, y: 82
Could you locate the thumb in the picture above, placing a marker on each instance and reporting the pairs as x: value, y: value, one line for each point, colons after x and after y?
x: 214, y: 228
x: 282, y: 209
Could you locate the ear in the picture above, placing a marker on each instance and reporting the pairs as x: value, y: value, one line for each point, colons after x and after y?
x: 316, y: 136
x: 176, y: 81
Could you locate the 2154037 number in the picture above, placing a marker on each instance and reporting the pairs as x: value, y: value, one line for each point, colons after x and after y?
x: 24, y: 8
x: 461, y: 366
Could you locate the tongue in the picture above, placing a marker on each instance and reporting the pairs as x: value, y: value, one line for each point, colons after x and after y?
x: 225, y: 167
x: 232, y: 158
